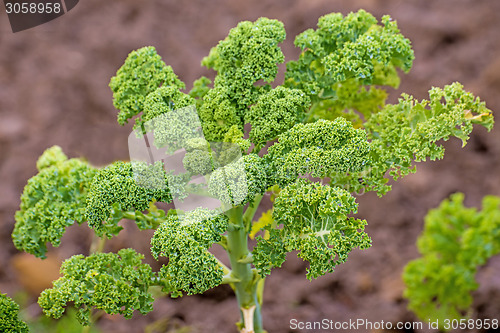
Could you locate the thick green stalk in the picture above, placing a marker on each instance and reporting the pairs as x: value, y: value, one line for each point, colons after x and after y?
x: 93, y: 319
x: 97, y: 246
x: 246, y: 288
x: 251, y: 210
x: 98, y: 243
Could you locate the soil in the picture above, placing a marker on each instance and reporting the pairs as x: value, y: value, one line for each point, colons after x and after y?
x: 54, y: 90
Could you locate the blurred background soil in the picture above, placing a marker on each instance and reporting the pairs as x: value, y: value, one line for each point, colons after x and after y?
x: 54, y: 90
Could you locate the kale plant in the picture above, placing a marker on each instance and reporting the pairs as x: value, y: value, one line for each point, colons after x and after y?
x: 9, y: 316
x: 455, y: 242
x: 309, y: 143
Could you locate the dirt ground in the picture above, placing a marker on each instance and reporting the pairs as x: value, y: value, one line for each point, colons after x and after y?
x: 54, y: 90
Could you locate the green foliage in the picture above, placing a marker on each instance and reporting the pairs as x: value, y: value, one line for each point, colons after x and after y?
x: 199, y: 158
x: 343, y: 55
x: 276, y: 112
x: 9, y: 316
x: 68, y: 323
x: 51, y: 201
x: 51, y: 156
x: 456, y: 240
x: 318, y: 149
x: 250, y: 53
x: 185, y: 240
x: 115, y: 188
x: 115, y: 283
x: 265, y: 219
x: 173, y: 130
x: 315, y: 222
x: 351, y: 101
x: 199, y: 90
x: 238, y: 182
x: 327, y: 123
x: 218, y: 114
x: 409, y: 131
x: 161, y: 101
x: 142, y: 73
x: 234, y: 135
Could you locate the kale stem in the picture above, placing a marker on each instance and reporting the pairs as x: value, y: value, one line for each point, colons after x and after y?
x: 246, y: 288
x: 94, y: 316
x: 251, y: 210
x: 97, y: 245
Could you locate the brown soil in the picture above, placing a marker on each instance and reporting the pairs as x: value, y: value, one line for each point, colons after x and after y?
x: 53, y: 90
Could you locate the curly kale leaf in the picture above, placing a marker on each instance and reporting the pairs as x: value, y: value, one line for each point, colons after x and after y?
x: 235, y: 137
x: 218, y: 114
x: 311, y: 218
x: 185, y: 240
x: 238, y: 182
x: 248, y: 54
x: 276, y: 112
x: 142, y: 73
x: 343, y: 55
x: 318, y: 149
x: 51, y: 201
x: 115, y: 283
x: 9, y: 316
x: 351, y: 47
x: 51, y: 156
x: 117, y: 188
x: 456, y: 240
x: 409, y: 131
x: 199, y: 161
x: 161, y: 101
x: 352, y: 102
x: 199, y: 90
